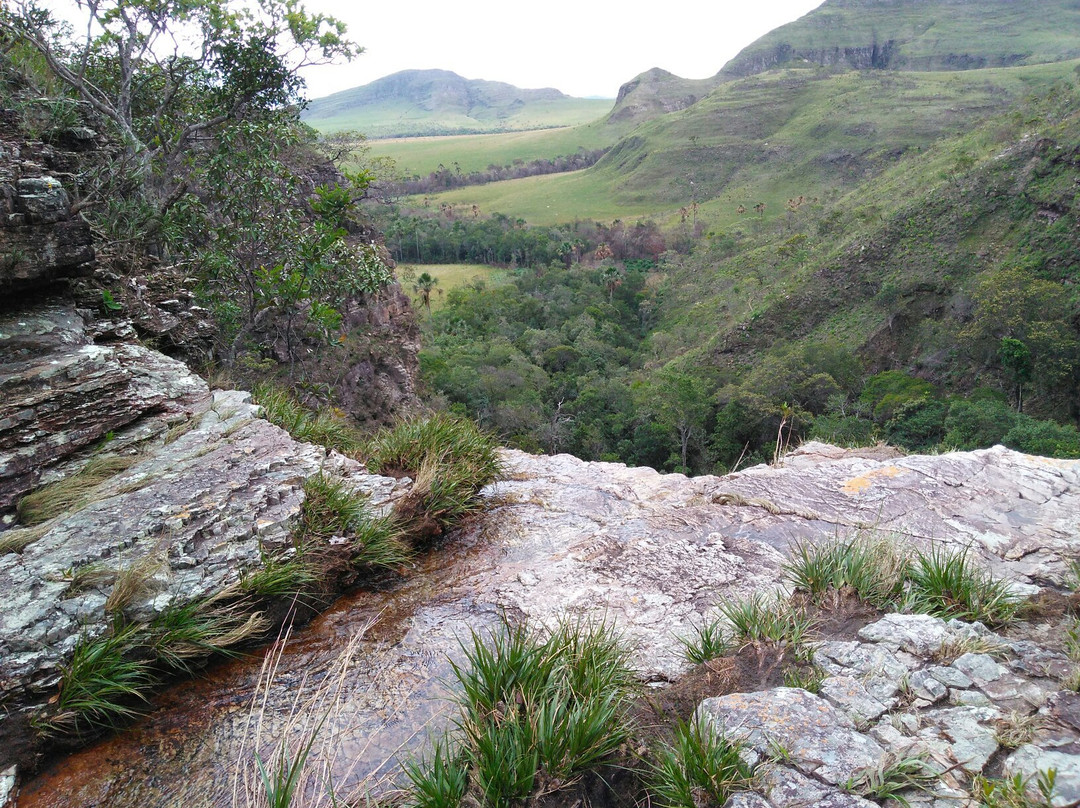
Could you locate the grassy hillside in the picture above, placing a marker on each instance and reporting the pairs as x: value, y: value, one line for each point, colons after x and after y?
x: 768, y: 138
x: 422, y: 155
x: 920, y: 35
x: 881, y: 313
x: 438, y: 102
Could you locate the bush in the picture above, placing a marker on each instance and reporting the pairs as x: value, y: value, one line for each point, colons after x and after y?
x: 450, y: 461
x: 886, y: 392
x: 917, y: 425
x: 1045, y: 438
x: 977, y: 424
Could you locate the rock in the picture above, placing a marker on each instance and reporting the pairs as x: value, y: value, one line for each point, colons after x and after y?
x: 967, y: 735
x: 819, y: 739
x: 980, y: 668
x: 205, y: 506
x: 949, y: 676
x: 741, y: 799
x: 918, y: 634
x: 926, y: 686
x: 60, y: 393
x: 1030, y: 761
x: 850, y: 696
x: 787, y: 788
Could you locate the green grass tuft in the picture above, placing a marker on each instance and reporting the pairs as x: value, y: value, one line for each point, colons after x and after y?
x: 948, y: 584
x: 764, y: 618
x: 450, y: 461
x: 535, y: 715
x: 890, y: 781
x: 100, y: 685
x: 698, y: 767
x: 872, y: 567
x: 326, y: 428
x: 199, y: 629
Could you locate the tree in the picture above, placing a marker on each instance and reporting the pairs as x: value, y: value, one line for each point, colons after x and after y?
x: 1016, y: 359
x: 166, y: 73
x: 678, y: 402
x: 425, y: 283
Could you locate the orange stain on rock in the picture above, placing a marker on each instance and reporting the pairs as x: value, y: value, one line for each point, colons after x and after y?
x: 856, y: 485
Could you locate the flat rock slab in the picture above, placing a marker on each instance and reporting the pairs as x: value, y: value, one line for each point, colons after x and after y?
x: 1008, y: 506
x: 819, y: 739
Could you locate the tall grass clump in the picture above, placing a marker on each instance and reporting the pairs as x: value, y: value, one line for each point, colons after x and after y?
x: 535, y: 715
x: 331, y: 509
x: 948, y: 584
x: 450, y: 460
x: 882, y: 572
x: 757, y: 619
x: 72, y: 492
x: 101, y: 685
x: 873, y: 567
x: 326, y: 428
x: 185, y: 632
x: 698, y: 766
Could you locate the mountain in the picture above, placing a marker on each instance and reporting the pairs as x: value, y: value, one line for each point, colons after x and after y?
x: 920, y: 35
x: 656, y: 92
x: 430, y: 102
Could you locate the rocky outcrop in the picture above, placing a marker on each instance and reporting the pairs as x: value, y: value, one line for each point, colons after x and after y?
x: 40, y: 242
x: 906, y: 690
x: 653, y: 554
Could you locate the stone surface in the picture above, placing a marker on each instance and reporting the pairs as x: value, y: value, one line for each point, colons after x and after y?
x: 40, y: 242
x: 850, y: 696
x: 60, y: 392
x: 917, y: 634
x: 1029, y: 761
x: 204, y: 505
x: 820, y: 740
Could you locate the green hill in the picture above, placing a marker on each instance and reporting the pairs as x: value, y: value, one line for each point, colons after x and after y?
x: 925, y: 35
x: 437, y: 102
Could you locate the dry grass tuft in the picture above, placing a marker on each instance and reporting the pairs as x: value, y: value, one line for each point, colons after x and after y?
x: 73, y: 492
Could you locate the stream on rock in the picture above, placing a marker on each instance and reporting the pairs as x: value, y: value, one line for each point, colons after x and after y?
x: 197, y: 735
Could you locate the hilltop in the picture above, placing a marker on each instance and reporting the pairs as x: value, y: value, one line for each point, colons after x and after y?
x: 438, y: 102
x: 925, y: 35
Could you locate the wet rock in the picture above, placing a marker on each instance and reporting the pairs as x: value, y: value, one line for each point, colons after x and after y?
x: 820, y: 740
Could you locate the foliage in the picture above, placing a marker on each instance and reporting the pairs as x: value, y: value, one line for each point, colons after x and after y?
x: 101, y: 683
x: 947, y: 583
x: 698, y: 763
x: 710, y: 641
x: 183, y: 632
x: 325, y: 428
x: 1016, y: 791
x: 535, y: 715
x: 891, y: 780
x: 72, y: 492
x: 450, y: 460
x: 873, y: 567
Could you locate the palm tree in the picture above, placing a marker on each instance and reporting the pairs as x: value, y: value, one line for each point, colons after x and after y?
x: 424, y: 284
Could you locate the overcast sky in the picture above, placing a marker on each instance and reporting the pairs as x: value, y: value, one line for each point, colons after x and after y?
x: 582, y: 47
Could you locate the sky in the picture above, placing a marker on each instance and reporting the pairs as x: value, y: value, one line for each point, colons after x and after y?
x: 582, y: 47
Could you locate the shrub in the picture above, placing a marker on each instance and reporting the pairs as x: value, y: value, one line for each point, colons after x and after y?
x: 1045, y: 438
x: 978, y: 424
x: 947, y: 584
x: 917, y: 425
x: 887, y: 391
x: 698, y: 767
x: 450, y: 461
